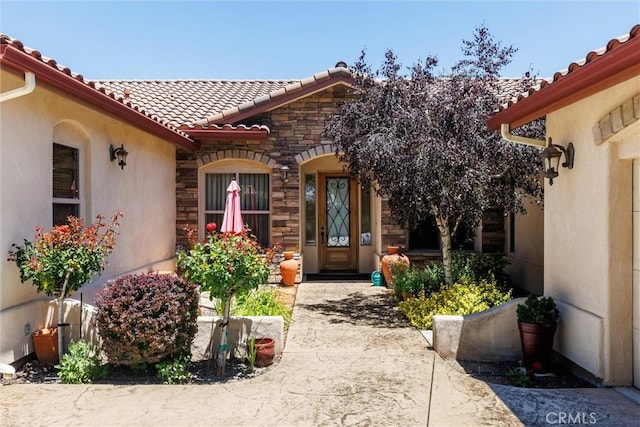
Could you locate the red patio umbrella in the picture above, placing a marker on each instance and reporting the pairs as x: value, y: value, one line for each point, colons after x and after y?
x: 232, y: 219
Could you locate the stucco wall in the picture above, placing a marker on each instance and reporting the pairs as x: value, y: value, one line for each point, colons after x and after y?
x: 588, y: 240
x: 636, y: 273
x: 526, y: 268
x: 143, y: 191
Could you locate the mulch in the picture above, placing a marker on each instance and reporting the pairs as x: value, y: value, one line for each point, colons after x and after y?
x: 557, y: 376
x: 202, y: 372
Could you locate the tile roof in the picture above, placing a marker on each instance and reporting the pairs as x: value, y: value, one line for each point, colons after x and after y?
x: 617, y: 54
x: 195, y: 107
x: 203, y: 103
x: 14, y: 53
x: 213, y: 104
x: 183, y: 102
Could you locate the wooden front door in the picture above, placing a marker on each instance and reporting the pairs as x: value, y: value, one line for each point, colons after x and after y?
x: 337, y: 222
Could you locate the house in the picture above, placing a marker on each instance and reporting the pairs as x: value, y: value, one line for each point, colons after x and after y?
x: 269, y: 136
x: 592, y: 211
x: 186, y: 140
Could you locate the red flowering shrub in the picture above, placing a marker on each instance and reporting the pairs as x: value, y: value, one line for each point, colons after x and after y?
x: 63, y: 259
x: 145, y: 318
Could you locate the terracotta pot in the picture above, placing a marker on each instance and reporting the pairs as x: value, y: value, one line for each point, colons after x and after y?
x: 537, y: 343
x: 265, y: 350
x: 392, y: 257
x: 45, y: 343
x: 288, y: 269
x: 406, y: 296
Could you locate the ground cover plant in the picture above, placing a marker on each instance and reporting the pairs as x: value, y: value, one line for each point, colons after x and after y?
x: 464, y: 297
x: 82, y: 364
x: 428, y: 278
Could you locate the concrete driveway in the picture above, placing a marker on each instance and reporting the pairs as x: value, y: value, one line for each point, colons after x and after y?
x: 350, y: 360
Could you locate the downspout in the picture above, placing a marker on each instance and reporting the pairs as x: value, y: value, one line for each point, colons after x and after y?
x: 29, y: 86
x: 504, y: 132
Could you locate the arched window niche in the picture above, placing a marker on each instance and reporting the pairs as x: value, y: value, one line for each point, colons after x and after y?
x: 254, y: 179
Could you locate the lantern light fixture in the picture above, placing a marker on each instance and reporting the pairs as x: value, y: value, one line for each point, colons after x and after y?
x: 551, y: 156
x: 118, y: 153
x: 284, y: 173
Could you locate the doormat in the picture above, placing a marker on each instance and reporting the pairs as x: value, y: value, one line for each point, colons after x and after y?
x: 337, y: 277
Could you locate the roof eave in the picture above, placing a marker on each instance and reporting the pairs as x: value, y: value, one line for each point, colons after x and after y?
x: 227, y: 134
x: 75, y: 86
x: 613, y: 67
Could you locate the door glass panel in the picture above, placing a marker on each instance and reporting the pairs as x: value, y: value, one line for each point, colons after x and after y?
x: 338, y: 212
x: 310, y: 210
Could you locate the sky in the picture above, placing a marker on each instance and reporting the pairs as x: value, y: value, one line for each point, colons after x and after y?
x: 296, y: 39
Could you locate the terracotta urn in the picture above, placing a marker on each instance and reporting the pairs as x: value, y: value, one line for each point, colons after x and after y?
x: 392, y: 258
x: 288, y: 269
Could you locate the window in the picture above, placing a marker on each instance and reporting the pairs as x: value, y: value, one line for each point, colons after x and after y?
x: 66, y: 186
x: 427, y: 237
x: 254, y: 200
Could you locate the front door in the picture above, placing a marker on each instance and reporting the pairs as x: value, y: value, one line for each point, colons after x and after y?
x: 337, y: 222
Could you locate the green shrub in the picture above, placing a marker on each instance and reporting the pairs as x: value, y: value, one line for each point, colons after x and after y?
x: 176, y: 371
x: 258, y: 302
x: 146, y: 318
x: 81, y: 364
x: 429, y: 278
x: 417, y: 279
x: 484, y: 266
x: 464, y: 297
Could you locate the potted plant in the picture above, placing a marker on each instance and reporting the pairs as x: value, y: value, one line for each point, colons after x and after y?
x: 225, y: 264
x: 537, y: 322
x: 61, y: 260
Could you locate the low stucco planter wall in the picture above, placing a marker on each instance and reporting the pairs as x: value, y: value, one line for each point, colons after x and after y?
x: 82, y: 324
x: 240, y: 328
x: 490, y: 335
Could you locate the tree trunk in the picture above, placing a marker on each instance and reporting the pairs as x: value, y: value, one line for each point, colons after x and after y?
x: 61, y: 317
x: 447, y: 257
x: 60, y: 328
x: 223, y: 348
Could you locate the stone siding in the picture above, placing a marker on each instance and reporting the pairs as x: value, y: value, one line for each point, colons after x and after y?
x: 296, y: 128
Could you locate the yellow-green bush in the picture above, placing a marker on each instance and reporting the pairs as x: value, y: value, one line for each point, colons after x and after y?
x: 464, y: 297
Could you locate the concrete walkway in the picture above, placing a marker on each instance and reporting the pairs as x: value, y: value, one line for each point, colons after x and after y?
x: 350, y: 360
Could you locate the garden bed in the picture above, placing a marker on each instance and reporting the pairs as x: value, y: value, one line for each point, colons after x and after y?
x: 501, y: 373
x: 202, y: 372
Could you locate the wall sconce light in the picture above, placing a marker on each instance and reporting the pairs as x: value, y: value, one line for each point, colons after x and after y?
x: 551, y: 159
x: 118, y: 153
x: 284, y: 173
